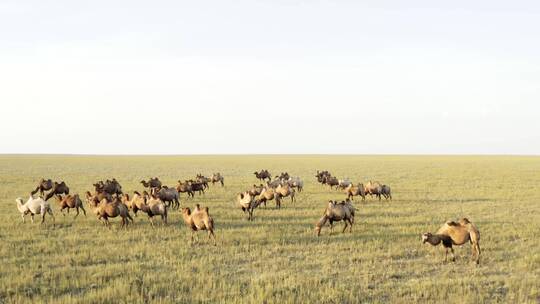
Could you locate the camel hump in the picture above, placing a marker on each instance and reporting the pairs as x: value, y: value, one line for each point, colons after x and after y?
x: 464, y: 221
x: 452, y: 223
x: 205, y: 209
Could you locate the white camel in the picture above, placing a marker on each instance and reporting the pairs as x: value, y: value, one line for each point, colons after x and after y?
x: 34, y: 206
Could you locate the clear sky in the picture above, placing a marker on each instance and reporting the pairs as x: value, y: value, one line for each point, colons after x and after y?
x: 189, y: 77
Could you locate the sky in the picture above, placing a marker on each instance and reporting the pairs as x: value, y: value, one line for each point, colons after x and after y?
x: 270, y: 77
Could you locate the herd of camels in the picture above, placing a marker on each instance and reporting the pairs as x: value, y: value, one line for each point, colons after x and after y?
x: 109, y: 201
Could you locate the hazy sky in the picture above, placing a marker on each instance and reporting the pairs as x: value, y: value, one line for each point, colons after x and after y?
x: 176, y: 77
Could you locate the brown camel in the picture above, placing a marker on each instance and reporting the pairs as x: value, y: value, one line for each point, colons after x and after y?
x: 152, y: 183
x: 357, y: 190
x: 44, y: 185
x: 105, y: 210
x: 185, y: 187
x: 263, y: 175
x: 267, y: 194
x: 70, y: 202
x: 58, y: 189
x: 456, y: 233
x: 217, y: 177
x: 336, y: 212
x: 284, y: 191
x: 200, y: 219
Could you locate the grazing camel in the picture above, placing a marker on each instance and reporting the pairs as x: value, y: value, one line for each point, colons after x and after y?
x: 70, y: 202
x: 263, y: 175
x: 267, y: 194
x: 336, y: 212
x: 57, y: 189
x: 353, y: 191
x: 456, y: 233
x: 200, y: 219
x: 44, y: 185
x: 248, y: 203
x: 34, y: 206
x: 185, y: 187
x: 217, y: 177
x: 105, y: 210
x: 284, y: 191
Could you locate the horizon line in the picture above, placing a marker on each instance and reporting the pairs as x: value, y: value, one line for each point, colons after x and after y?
x: 269, y: 154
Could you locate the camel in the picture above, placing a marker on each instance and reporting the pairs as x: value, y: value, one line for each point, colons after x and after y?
x: 331, y: 181
x: 256, y: 190
x: 248, y: 203
x: 217, y: 177
x: 197, y: 186
x: 456, y: 233
x: 34, y: 206
x: 169, y: 195
x: 203, y: 180
x: 386, y: 192
x: 70, y: 202
x: 267, y: 194
x: 105, y: 210
x: 112, y: 187
x: 373, y: 188
x: 336, y: 212
x: 154, y: 206
x: 44, y: 185
x: 135, y: 203
x: 185, y: 187
x: 152, y: 183
x: 353, y: 191
x: 97, y: 197
x: 275, y: 183
x: 296, y: 182
x: 344, y: 183
x: 284, y: 176
x: 263, y: 175
x: 200, y: 219
x: 58, y: 189
x: 322, y: 175
x: 284, y: 191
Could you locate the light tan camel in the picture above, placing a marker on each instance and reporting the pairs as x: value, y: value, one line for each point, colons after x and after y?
x: 199, y: 220
x: 456, y: 233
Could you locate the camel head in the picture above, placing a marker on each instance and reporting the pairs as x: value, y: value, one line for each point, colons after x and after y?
x: 425, y: 237
x: 19, y: 200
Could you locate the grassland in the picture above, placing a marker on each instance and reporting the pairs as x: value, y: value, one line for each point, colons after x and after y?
x: 277, y: 258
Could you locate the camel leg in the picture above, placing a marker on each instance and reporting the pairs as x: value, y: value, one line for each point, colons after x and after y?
x: 212, y: 236
x: 331, y: 227
x: 350, y: 225
x: 445, y: 254
x: 453, y: 254
x: 84, y: 211
x: 32, y: 217
x: 151, y: 221
x: 76, y: 214
x: 345, y: 227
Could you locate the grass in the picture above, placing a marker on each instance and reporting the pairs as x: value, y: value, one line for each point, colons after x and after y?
x: 277, y: 258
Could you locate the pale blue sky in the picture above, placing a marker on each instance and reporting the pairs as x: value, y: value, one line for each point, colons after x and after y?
x: 175, y: 77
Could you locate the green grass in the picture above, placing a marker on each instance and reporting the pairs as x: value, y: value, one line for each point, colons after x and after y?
x: 277, y: 258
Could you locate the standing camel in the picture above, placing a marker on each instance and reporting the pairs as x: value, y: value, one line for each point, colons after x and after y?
x: 452, y: 233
